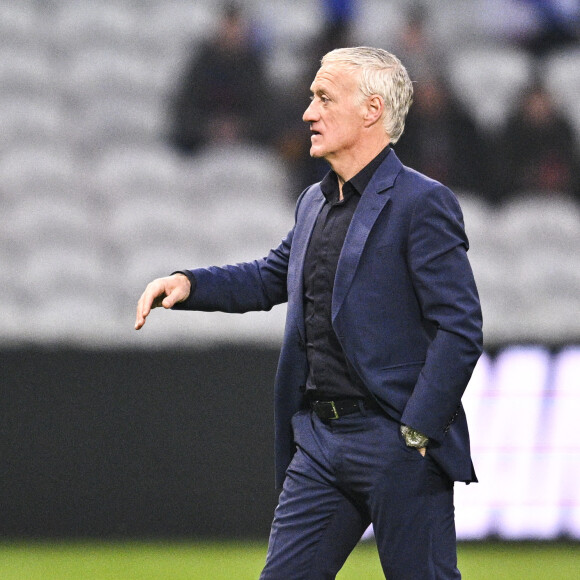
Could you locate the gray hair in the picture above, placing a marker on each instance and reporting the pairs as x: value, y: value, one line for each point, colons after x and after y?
x: 381, y: 73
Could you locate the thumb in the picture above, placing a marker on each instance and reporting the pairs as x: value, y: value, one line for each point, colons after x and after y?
x: 175, y: 295
x: 169, y: 301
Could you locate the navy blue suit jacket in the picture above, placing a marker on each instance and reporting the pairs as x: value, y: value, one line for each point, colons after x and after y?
x: 405, y: 308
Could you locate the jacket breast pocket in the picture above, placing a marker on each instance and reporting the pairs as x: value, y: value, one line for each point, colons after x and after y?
x: 407, y: 368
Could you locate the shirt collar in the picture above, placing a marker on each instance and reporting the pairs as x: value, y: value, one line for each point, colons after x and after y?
x: 358, y: 183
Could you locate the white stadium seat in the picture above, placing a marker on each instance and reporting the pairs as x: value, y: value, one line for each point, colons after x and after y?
x: 488, y: 80
x: 562, y: 76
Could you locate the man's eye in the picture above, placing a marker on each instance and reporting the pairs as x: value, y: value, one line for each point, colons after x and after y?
x: 323, y: 98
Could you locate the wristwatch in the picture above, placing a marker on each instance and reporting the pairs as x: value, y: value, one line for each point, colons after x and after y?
x: 414, y: 438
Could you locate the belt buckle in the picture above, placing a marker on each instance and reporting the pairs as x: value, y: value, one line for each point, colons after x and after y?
x: 334, y: 411
x: 326, y: 410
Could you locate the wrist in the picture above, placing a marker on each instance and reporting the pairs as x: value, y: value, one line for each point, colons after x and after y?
x: 189, y: 275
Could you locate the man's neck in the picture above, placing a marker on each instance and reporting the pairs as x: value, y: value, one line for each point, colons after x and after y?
x: 348, y: 166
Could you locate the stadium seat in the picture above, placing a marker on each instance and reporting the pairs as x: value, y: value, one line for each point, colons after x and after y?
x: 460, y: 24
x: 284, y: 65
x: 98, y: 24
x: 488, y: 79
x: 223, y: 173
x: 30, y: 120
x: 38, y: 170
x: 378, y: 23
x: 20, y: 24
x: 96, y: 127
x: 179, y: 21
x: 562, y: 76
x: 153, y: 260
x: 146, y: 174
x: 47, y: 220
x: 26, y: 71
x: 289, y: 23
x: 456, y: 24
x: 142, y: 222
x: 537, y: 219
x: 110, y: 73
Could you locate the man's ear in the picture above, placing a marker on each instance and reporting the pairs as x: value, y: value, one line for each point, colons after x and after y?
x: 375, y: 107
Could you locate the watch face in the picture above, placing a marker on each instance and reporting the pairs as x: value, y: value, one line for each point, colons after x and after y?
x: 415, y: 439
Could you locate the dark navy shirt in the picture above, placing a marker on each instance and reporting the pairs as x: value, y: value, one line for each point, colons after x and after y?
x: 329, y: 374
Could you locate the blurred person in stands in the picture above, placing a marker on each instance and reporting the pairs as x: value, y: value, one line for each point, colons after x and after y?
x: 537, y: 26
x: 383, y: 331
x: 557, y: 25
x: 223, y: 95
x: 538, y: 149
x: 292, y: 138
x: 442, y: 141
x: 416, y: 47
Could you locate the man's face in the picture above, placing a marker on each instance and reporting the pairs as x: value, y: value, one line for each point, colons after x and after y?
x: 335, y: 113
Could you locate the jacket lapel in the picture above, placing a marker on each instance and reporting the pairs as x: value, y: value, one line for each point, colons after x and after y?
x: 372, y: 202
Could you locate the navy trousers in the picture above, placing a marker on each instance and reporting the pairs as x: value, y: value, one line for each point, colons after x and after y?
x: 347, y: 473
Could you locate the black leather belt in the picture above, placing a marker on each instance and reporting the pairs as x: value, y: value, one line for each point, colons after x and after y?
x: 328, y: 410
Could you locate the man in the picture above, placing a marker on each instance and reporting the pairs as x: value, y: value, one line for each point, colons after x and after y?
x: 382, y: 333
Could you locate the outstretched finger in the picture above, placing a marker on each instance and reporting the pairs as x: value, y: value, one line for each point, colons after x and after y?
x: 142, y: 312
x: 147, y: 302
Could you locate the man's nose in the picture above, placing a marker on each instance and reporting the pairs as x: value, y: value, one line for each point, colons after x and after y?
x: 310, y: 114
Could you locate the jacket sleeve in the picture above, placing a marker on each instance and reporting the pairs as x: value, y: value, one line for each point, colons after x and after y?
x: 245, y: 287
x: 446, y: 290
